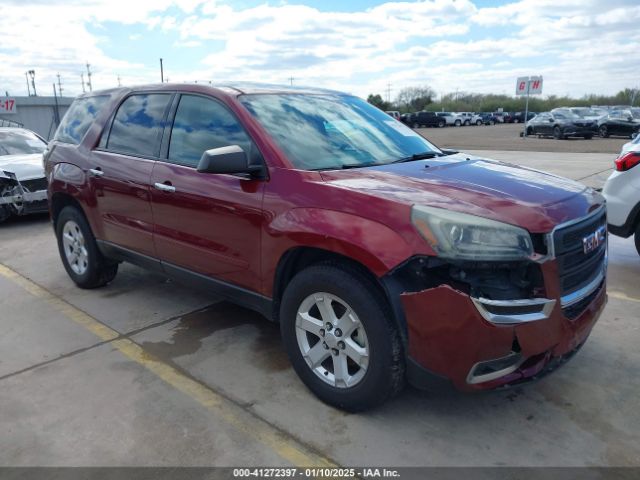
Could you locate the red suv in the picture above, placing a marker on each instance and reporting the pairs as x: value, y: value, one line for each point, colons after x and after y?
x: 382, y: 257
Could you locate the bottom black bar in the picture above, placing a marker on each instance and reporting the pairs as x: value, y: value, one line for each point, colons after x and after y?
x: 398, y: 473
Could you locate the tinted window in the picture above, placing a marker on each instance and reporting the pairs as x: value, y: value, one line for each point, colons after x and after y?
x: 330, y: 131
x: 79, y: 118
x: 138, y: 124
x: 20, y: 142
x: 202, y: 124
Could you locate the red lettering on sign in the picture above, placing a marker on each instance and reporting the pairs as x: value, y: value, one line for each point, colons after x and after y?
x: 522, y: 85
x: 536, y: 84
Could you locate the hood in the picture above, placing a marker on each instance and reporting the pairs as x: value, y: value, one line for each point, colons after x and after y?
x: 517, y: 195
x: 25, y: 167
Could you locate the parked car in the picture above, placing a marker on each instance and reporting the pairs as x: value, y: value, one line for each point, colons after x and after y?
x: 486, y: 118
x: 518, y: 117
x: 559, y: 125
x: 584, y: 113
x: 619, y: 123
x: 381, y: 257
x: 466, y: 118
x: 23, y: 186
x: 622, y: 191
x: 503, y: 117
x: 450, y: 118
x: 425, y: 119
x: 394, y: 113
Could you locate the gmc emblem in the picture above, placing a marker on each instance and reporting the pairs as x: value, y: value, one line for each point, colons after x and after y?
x: 594, y: 240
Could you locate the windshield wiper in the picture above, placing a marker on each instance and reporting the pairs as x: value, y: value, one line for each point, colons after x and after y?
x: 359, y: 165
x: 418, y: 156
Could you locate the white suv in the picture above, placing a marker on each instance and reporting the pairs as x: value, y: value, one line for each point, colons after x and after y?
x: 622, y: 191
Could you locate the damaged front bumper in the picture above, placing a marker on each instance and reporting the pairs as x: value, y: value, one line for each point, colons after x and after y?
x: 21, y: 197
x: 481, y: 326
x: 450, y: 339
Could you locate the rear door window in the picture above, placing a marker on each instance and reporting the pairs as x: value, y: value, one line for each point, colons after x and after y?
x: 138, y: 124
x: 202, y: 124
x: 78, y: 119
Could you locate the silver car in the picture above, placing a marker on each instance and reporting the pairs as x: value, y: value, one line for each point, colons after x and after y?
x: 23, y: 186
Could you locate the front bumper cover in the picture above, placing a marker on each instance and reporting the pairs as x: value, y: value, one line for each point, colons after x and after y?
x: 456, y: 339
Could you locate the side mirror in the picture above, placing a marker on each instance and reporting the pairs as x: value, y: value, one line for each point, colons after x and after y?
x: 231, y: 159
x: 551, y: 120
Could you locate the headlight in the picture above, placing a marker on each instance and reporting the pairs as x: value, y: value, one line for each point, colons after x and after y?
x: 467, y: 237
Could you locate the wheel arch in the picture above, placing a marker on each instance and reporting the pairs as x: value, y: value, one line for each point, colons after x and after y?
x: 298, y: 258
x: 60, y: 200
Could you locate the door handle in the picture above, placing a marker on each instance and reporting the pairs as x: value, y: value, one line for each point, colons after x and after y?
x: 164, y: 187
x: 96, y: 172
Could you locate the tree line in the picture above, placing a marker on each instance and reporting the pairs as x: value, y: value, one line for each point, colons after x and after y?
x: 414, y: 99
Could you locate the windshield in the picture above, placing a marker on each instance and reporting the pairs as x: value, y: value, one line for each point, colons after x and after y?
x: 20, y: 142
x: 319, y: 132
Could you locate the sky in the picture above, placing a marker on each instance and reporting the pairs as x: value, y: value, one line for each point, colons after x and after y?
x: 358, y: 46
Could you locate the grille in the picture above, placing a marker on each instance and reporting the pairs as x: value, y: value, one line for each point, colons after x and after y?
x: 576, y: 268
x: 35, y: 185
x: 573, y: 311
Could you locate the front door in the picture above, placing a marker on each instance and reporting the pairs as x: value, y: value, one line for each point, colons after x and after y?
x: 207, y: 223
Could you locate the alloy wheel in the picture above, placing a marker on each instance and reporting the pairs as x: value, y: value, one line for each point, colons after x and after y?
x: 332, y: 340
x: 75, y: 249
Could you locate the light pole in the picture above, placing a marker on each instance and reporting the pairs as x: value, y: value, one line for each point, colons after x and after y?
x: 32, y: 74
x: 26, y: 76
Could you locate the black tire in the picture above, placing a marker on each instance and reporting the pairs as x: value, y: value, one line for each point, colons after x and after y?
x: 99, y: 270
x: 384, y: 376
x: 478, y: 122
x: 603, y: 131
x: 515, y: 120
x: 636, y: 238
x: 415, y: 125
x: 467, y: 123
x: 441, y: 124
x: 530, y: 131
x: 557, y: 133
x: 457, y: 123
x: 5, y: 213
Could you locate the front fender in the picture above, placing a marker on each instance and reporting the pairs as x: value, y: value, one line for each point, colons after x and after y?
x: 373, y: 244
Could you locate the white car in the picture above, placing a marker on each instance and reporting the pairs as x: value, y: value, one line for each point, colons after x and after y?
x: 466, y: 118
x: 450, y: 118
x: 622, y: 191
x: 23, y: 186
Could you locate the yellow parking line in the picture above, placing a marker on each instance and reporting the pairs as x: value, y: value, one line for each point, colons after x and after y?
x: 281, y: 443
x: 622, y: 296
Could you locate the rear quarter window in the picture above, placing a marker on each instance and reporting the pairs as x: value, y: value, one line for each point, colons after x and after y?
x: 78, y: 119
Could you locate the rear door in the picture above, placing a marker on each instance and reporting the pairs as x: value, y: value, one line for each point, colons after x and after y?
x: 120, y: 171
x: 206, y: 223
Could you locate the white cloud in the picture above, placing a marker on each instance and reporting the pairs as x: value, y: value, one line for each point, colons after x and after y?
x: 579, y: 46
